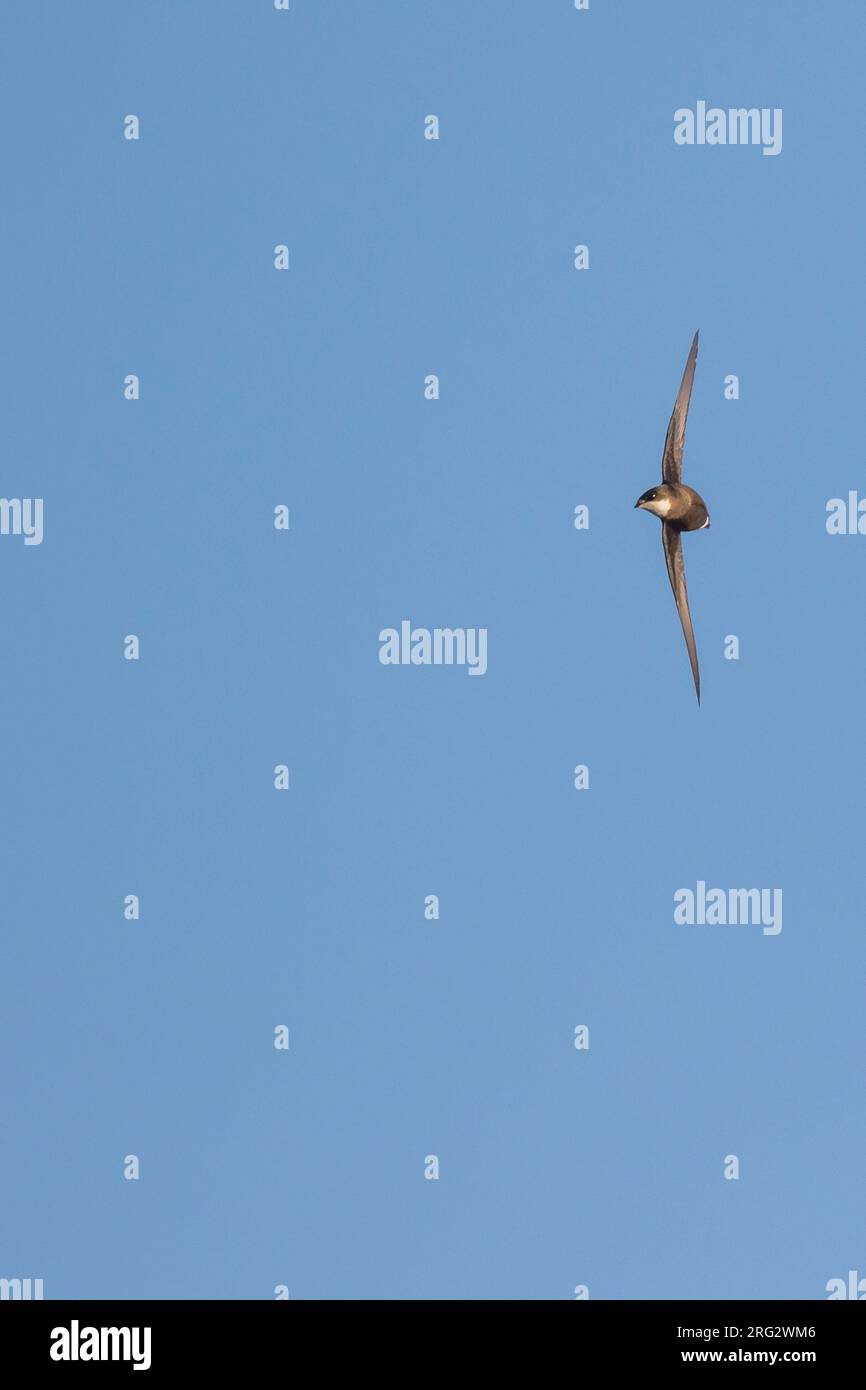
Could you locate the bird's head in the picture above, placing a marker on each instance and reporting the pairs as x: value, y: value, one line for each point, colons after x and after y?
x: 657, y: 500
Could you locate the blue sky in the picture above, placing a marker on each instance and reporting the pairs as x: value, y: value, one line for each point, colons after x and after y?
x: 408, y: 1037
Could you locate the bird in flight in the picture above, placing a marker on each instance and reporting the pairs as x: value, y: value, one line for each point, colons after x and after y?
x: 679, y: 508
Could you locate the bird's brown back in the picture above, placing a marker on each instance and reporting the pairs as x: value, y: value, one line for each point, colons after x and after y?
x: 688, y: 510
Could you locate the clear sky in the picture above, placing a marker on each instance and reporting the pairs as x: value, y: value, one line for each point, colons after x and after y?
x: 411, y: 1037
